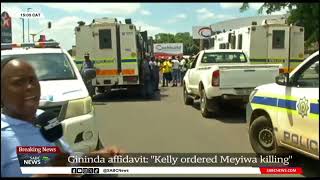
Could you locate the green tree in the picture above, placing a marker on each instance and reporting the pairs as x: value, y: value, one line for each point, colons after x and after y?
x: 302, y: 14
x: 186, y: 39
x: 164, y: 38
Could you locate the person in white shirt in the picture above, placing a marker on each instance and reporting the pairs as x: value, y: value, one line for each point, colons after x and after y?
x: 155, y: 67
x: 183, y: 70
x: 175, y: 70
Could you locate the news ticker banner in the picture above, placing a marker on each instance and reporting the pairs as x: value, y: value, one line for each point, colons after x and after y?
x: 44, y: 160
x: 161, y: 170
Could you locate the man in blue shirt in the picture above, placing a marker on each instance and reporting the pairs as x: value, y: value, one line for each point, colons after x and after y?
x: 20, y: 94
x: 87, y: 64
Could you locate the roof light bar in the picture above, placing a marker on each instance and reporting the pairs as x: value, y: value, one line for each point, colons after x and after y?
x: 30, y: 45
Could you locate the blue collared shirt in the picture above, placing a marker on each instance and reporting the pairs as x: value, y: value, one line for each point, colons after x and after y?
x: 15, y: 132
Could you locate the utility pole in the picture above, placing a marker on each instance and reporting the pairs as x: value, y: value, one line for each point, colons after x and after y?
x: 22, y: 28
x: 28, y: 26
x: 201, y: 44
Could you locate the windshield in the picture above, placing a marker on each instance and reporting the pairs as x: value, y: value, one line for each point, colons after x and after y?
x: 50, y: 66
x: 224, y: 57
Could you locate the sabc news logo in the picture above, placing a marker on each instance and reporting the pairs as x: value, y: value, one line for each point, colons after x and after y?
x: 36, y: 160
x: 85, y: 170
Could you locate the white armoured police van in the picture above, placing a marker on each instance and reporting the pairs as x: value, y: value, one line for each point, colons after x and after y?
x: 272, y: 42
x: 116, y: 49
x: 285, y: 114
x: 63, y: 91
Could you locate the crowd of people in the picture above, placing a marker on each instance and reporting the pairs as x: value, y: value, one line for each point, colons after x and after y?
x: 168, y: 71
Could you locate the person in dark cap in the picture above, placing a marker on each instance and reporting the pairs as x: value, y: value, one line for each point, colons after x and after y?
x: 87, y: 64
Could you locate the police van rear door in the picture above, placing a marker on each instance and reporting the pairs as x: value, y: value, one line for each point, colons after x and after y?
x: 128, y: 49
x: 278, y: 44
x: 105, y: 53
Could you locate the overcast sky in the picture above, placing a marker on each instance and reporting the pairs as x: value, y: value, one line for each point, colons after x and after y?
x: 153, y: 17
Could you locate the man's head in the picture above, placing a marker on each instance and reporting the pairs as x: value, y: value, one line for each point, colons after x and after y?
x: 87, y: 57
x: 20, y: 89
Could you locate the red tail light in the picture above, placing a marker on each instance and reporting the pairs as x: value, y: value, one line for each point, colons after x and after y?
x: 216, y: 78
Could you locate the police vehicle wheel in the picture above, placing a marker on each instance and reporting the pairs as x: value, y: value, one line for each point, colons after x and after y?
x: 261, y: 136
x: 187, y: 100
x: 204, y: 105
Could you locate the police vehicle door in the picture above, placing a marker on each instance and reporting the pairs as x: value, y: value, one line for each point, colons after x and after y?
x: 300, y: 120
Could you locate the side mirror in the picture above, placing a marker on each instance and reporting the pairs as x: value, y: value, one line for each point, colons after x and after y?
x: 282, y: 79
x: 89, y: 74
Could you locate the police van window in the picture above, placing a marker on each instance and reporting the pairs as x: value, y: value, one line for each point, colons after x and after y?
x: 233, y: 42
x: 240, y: 41
x: 212, y: 42
x: 105, y: 39
x: 309, y: 77
x: 222, y: 46
x: 278, y: 39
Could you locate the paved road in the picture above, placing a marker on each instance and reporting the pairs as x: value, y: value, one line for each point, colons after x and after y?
x: 165, y: 125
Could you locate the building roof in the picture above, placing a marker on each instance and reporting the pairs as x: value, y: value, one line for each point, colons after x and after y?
x: 241, y: 22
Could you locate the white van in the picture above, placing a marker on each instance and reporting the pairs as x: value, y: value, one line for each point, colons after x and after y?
x: 62, y: 91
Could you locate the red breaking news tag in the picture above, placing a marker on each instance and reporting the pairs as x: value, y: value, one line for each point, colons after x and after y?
x: 37, y: 149
x: 280, y: 170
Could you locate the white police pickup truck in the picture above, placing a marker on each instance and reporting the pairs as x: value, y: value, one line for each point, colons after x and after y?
x: 63, y: 91
x: 220, y: 75
x: 284, y: 116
